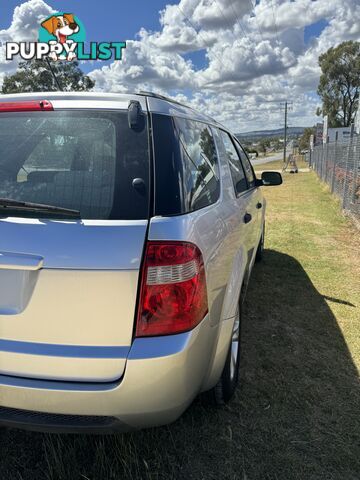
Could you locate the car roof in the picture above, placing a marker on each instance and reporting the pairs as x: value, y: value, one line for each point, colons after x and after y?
x: 155, y: 103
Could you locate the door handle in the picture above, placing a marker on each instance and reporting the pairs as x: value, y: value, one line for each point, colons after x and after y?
x: 247, y: 218
x: 259, y: 205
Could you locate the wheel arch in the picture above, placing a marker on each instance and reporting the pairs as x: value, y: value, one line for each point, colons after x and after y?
x: 236, y: 288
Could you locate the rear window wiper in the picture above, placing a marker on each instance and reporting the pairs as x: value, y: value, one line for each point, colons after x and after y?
x: 8, y: 203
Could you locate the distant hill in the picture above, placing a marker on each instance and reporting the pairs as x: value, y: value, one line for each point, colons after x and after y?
x: 271, y: 133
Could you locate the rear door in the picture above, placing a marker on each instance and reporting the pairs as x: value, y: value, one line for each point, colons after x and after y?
x: 238, y: 204
x: 256, y: 206
x: 68, y: 282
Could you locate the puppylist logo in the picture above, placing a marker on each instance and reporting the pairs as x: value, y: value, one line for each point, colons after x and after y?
x: 62, y: 37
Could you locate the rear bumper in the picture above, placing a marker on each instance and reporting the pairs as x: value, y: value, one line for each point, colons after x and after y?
x: 162, y: 377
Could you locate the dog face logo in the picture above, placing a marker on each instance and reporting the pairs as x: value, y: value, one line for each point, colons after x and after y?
x: 62, y: 36
x: 63, y: 32
x: 61, y: 26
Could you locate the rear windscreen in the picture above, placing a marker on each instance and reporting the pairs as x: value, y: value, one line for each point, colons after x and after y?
x: 79, y: 160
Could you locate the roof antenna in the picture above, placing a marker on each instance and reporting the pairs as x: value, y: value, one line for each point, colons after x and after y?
x: 54, y: 75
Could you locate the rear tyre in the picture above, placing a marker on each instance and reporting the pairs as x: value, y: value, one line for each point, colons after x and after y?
x: 225, y: 388
x: 260, y: 250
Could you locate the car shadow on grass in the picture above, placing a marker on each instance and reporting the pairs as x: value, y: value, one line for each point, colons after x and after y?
x: 294, y: 416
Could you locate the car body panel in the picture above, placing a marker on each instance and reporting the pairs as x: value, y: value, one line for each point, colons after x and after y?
x: 76, y: 244
x: 162, y: 377
x: 80, y: 100
x: 67, y: 314
x: 84, y: 294
x: 72, y: 308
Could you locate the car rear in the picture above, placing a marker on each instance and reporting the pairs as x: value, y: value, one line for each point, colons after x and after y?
x: 100, y: 326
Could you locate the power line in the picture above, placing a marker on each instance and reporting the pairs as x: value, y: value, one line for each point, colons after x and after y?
x: 271, y: 5
x: 226, y: 20
x: 198, y: 32
x: 255, y: 19
x: 267, y: 7
x: 235, y: 13
x: 238, y: 19
x: 223, y: 14
x: 276, y: 27
x: 267, y: 81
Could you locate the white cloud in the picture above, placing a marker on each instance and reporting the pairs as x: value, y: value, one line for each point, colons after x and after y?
x: 279, y: 16
x: 243, y: 61
x: 345, y: 25
x: 145, y: 66
x: 26, y: 21
x: 221, y: 14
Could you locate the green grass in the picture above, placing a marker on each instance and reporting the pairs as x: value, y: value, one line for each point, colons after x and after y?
x: 296, y: 413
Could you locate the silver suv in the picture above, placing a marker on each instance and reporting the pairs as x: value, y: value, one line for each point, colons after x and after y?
x: 129, y: 225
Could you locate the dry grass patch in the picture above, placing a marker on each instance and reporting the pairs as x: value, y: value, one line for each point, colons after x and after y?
x: 295, y: 415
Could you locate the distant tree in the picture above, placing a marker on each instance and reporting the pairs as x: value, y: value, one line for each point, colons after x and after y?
x: 35, y: 76
x: 274, y: 142
x: 304, y: 140
x: 249, y: 150
x: 264, y: 144
x: 339, y: 84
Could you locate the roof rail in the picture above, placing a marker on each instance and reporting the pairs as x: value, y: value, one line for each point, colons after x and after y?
x: 162, y: 97
x: 167, y: 99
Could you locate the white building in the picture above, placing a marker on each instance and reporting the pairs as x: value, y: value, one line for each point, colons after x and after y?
x: 342, y: 133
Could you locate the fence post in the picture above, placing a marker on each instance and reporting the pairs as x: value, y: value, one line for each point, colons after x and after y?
x: 322, y: 161
x: 334, y: 165
x: 325, y: 160
x: 345, y: 192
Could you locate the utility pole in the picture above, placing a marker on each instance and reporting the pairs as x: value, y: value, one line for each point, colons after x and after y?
x: 285, y: 130
x: 287, y: 107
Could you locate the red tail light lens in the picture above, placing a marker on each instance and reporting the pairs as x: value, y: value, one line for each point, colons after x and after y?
x: 29, y: 106
x: 173, y: 291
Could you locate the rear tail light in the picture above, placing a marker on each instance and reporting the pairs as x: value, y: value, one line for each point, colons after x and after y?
x: 27, y: 106
x: 173, y: 295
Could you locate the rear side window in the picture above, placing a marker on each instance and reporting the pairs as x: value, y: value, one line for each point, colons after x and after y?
x: 186, y: 172
x: 228, y: 149
x: 82, y: 161
x: 200, y: 164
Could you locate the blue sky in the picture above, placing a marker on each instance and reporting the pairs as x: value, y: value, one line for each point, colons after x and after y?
x: 314, y: 30
x: 235, y: 59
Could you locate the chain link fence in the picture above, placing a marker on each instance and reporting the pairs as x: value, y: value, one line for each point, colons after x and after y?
x: 338, y: 164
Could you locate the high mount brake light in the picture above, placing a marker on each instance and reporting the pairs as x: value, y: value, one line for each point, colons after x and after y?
x: 173, y: 296
x: 29, y: 106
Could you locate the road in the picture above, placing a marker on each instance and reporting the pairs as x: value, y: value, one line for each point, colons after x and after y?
x: 272, y: 158
x: 276, y: 156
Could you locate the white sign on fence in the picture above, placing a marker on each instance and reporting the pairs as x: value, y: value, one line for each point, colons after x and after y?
x: 325, y: 130
x: 311, y: 142
x: 357, y: 121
